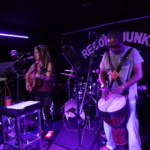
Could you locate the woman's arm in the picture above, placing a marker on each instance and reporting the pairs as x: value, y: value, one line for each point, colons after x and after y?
x: 49, y: 72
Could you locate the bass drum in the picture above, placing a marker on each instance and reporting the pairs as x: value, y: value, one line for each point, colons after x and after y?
x: 70, y: 112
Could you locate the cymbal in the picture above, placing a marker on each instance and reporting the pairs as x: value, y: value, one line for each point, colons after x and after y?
x: 69, y: 70
x: 70, y: 75
x: 96, y: 71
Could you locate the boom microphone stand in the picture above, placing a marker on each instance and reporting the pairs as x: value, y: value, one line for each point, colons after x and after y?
x: 8, y: 70
x: 78, y: 115
x: 87, y: 81
x: 70, y: 55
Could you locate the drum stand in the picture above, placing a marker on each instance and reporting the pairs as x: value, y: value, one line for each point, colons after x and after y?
x: 68, y: 87
x: 91, y: 118
x: 89, y: 112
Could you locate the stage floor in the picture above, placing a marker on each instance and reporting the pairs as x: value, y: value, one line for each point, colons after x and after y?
x: 65, y: 139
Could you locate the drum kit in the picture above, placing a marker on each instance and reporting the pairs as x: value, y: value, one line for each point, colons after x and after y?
x: 70, y: 107
x: 91, y: 87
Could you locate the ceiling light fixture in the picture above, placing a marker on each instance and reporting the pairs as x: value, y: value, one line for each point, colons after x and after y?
x: 11, y: 35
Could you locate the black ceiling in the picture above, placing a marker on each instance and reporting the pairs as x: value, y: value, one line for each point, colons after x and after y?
x: 69, y: 15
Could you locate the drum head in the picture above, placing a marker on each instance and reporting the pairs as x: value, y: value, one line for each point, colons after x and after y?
x: 71, y: 110
x: 114, y: 103
x: 72, y: 115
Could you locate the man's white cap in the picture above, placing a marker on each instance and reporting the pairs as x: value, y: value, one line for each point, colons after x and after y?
x: 13, y: 52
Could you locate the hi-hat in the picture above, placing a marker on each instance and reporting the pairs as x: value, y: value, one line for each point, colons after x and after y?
x: 96, y: 71
x: 70, y: 75
x: 69, y: 70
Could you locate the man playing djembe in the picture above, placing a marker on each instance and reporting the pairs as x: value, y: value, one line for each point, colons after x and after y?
x: 121, y: 66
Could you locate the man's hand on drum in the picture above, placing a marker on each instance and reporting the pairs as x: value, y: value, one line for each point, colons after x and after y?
x: 118, y: 90
x: 105, y: 92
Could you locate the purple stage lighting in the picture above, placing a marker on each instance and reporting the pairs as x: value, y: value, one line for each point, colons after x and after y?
x: 11, y: 35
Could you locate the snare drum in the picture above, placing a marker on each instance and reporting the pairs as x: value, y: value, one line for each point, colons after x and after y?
x: 114, y: 112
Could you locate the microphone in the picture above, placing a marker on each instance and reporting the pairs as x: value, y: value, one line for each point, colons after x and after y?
x: 95, y: 33
x: 27, y: 53
x: 30, y: 57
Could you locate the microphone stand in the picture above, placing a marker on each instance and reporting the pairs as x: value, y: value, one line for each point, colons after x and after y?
x: 18, y: 80
x: 87, y: 82
x: 78, y: 113
x: 7, y: 70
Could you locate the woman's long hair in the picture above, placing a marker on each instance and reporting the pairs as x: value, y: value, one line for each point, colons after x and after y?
x: 44, y: 54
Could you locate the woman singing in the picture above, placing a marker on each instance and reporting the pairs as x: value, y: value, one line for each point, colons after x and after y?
x: 39, y: 80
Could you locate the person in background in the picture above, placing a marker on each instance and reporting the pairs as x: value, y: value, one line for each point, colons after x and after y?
x: 14, y: 55
x: 39, y: 80
x: 18, y: 80
x: 133, y: 63
x: 19, y: 65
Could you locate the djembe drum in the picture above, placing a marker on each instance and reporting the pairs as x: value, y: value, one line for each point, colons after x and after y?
x: 114, y: 113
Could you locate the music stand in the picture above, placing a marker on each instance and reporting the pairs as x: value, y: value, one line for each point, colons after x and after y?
x: 7, y: 67
x: 73, y: 59
x: 71, y: 56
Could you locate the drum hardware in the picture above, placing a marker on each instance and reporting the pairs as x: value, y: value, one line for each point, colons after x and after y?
x: 69, y: 70
x: 71, y: 56
x: 80, y: 87
x: 93, y: 99
x: 68, y: 82
x: 96, y: 71
x: 90, y: 111
x: 92, y: 89
x: 88, y: 123
x: 68, y: 87
x: 70, y: 75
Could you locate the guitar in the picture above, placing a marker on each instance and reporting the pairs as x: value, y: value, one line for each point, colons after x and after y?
x: 36, y: 82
